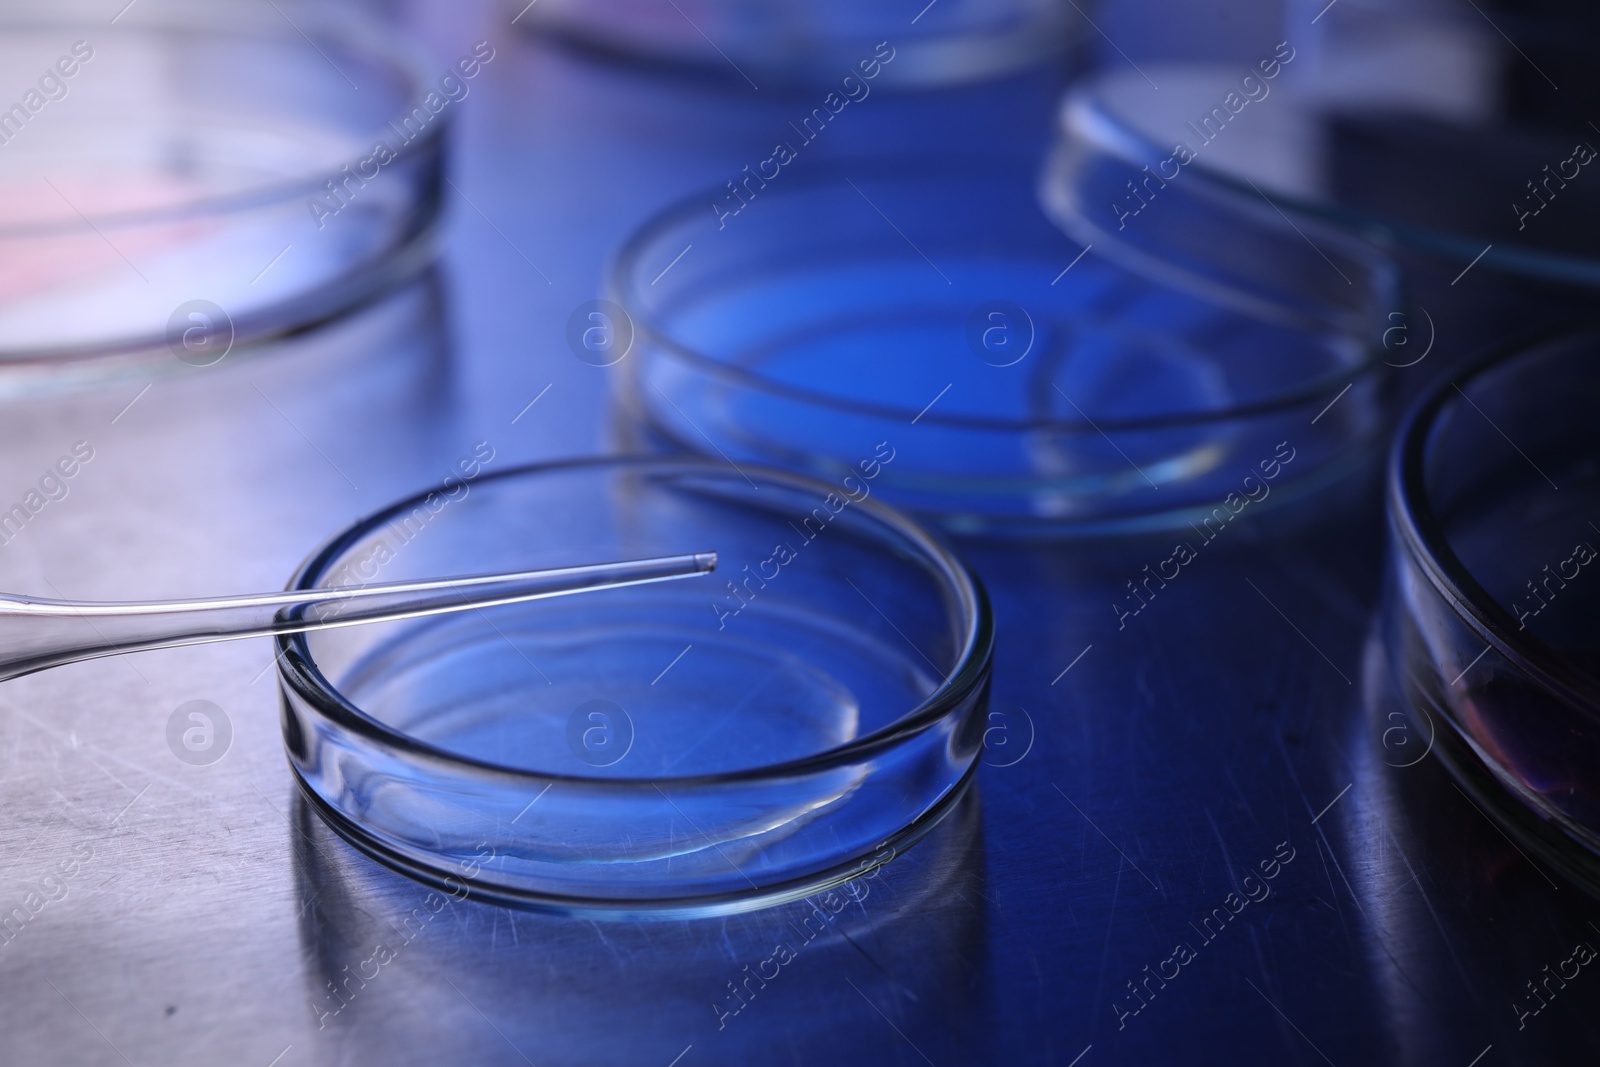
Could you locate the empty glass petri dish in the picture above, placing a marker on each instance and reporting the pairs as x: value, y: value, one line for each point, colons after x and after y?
x: 192, y: 177
x: 819, y: 43
x: 1354, y: 121
x: 706, y: 745
x: 1024, y: 384
x: 1493, y: 610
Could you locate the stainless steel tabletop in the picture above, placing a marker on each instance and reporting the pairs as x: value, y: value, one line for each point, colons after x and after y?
x: 1090, y: 902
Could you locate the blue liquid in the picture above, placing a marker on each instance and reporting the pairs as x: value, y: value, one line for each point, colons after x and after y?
x: 830, y: 359
x: 778, y: 683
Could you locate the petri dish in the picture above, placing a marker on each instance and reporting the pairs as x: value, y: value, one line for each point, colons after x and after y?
x: 690, y: 747
x: 1493, y: 606
x: 1025, y: 384
x: 754, y: 43
x: 1352, y: 122
x: 194, y: 177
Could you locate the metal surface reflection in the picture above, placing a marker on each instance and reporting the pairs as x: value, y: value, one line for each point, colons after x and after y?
x: 394, y: 972
x: 1474, y: 941
x: 165, y: 897
x: 190, y: 481
x: 262, y: 451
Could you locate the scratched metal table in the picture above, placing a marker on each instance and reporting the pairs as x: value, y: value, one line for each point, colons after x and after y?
x: 1193, y: 840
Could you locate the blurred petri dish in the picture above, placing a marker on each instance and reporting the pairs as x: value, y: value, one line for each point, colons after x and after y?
x: 761, y: 44
x: 189, y: 178
x: 1022, y: 383
x: 1417, y: 127
x: 690, y: 747
x: 1493, y: 608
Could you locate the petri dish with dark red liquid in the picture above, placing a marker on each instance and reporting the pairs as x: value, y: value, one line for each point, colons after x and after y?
x: 1493, y: 609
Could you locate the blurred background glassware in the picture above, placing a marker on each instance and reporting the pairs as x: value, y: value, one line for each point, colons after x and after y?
x: 767, y: 44
x: 1491, y: 610
x: 646, y: 751
x: 1434, y: 129
x: 171, y: 182
x: 648, y: 132
x: 1024, y: 384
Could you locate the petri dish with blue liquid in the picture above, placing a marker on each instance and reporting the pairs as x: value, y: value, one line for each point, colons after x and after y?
x: 928, y: 317
x: 714, y: 744
x: 527, y: 686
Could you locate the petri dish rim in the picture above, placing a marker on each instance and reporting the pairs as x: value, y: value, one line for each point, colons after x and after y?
x: 1425, y: 541
x: 1130, y: 145
x: 362, y: 35
x: 985, y: 53
x: 619, y: 273
x: 356, y: 282
x: 298, y: 671
x: 644, y: 908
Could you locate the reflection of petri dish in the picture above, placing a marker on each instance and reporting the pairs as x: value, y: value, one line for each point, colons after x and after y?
x: 696, y: 746
x: 204, y: 176
x: 820, y: 43
x: 913, y: 908
x: 1494, y: 607
x: 1021, y: 384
